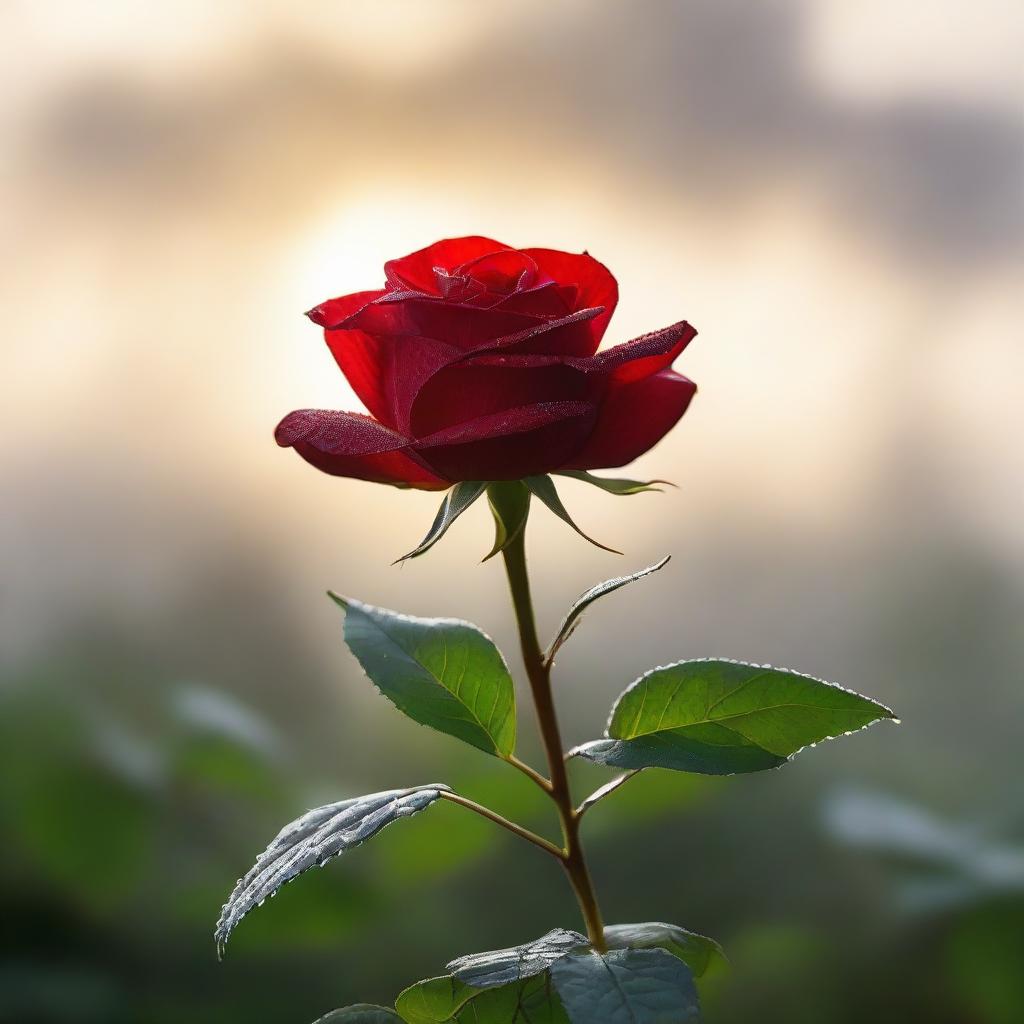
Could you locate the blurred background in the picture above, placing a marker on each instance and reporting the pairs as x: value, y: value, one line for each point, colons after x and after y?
x: 833, y: 192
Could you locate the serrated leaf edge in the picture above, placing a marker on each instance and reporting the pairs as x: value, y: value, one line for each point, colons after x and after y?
x: 362, y: 1007
x: 582, y: 603
x: 888, y: 716
x: 458, y: 964
x: 343, y: 602
x: 715, y: 945
x: 222, y: 941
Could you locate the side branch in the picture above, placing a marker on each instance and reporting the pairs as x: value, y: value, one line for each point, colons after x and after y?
x: 523, y: 833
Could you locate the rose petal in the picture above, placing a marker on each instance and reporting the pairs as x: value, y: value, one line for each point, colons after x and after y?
x: 349, y: 444
x: 368, y: 360
x: 338, y: 433
x: 647, y: 354
x: 473, y: 328
x: 508, y: 421
x: 509, y: 445
x: 548, y: 299
x: 560, y: 337
x: 481, y: 386
x: 396, y: 468
x: 387, y: 371
x: 416, y: 270
x: 634, y: 416
x: 506, y: 271
x: 333, y: 312
x: 454, y: 287
x: 593, y: 280
x: 465, y: 326
x: 629, y: 361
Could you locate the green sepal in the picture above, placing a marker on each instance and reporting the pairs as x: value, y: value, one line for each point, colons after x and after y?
x: 510, y: 505
x: 456, y: 501
x: 616, y: 485
x: 443, y: 673
x: 544, y: 488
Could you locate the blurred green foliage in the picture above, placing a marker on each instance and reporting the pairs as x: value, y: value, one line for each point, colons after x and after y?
x: 120, y: 846
x: 882, y: 880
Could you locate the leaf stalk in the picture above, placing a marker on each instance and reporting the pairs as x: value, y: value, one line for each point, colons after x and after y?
x: 523, y: 833
x: 532, y: 774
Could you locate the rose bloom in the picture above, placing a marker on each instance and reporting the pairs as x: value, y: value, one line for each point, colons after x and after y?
x: 480, y: 362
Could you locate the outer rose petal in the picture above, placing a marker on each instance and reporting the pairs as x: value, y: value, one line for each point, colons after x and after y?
x: 387, y: 372
x: 647, y: 354
x: 482, y: 386
x: 595, y: 284
x: 633, y: 417
x: 509, y: 445
x: 357, y: 353
x: 629, y: 361
x: 507, y: 376
x: 416, y: 270
x: 349, y: 444
x: 464, y: 326
x: 338, y: 433
x: 472, y: 328
x: 332, y: 312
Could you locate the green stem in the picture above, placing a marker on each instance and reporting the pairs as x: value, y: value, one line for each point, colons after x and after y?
x: 538, y: 671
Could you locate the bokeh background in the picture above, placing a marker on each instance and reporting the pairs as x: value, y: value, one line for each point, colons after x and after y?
x: 832, y: 191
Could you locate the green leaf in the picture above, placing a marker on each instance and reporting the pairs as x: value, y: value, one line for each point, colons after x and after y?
x: 585, y: 600
x: 626, y: 986
x: 503, y: 966
x: 444, y: 1000
x: 698, y: 952
x: 544, y: 488
x: 615, y: 485
x: 444, y: 673
x: 361, y: 1013
x: 510, y: 505
x: 312, y: 840
x: 606, y: 790
x: 719, y: 717
x: 456, y: 501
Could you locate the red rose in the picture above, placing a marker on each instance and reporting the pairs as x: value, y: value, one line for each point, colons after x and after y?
x: 477, y: 362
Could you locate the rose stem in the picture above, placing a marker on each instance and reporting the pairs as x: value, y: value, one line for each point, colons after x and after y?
x: 539, y: 674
